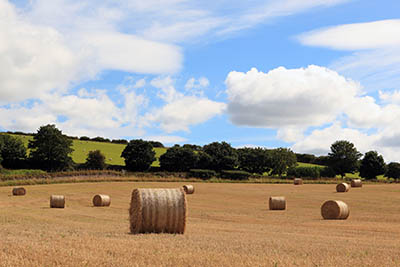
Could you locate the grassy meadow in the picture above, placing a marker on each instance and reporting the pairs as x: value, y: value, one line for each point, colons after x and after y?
x: 227, y: 225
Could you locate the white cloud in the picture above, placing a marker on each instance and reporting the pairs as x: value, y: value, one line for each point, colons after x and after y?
x: 375, y: 60
x: 288, y: 98
x: 194, y: 83
x: 166, y: 139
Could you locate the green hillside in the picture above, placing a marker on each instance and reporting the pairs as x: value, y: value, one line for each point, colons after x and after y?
x: 111, y: 151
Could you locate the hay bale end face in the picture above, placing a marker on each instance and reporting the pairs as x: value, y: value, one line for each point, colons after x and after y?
x: 298, y: 181
x: 19, y: 191
x: 356, y: 183
x: 189, y: 189
x: 335, y: 210
x: 342, y: 187
x: 57, y: 201
x: 277, y: 203
x: 158, y: 211
x: 101, y: 201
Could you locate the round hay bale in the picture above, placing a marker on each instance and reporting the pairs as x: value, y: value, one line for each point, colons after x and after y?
x: 101, y: 200
x: 342, y: 187
x: 19, y: 191
x: 189, y: 189
x: 298, y: 181
x: 57, y: 201
x: 335, y: 210
x: 277, y: 203
x: 356, y: 183
x: 158, y: 211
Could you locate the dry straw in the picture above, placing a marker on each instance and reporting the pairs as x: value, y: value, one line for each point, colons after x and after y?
x: 158, y: 211
x: 19, y: 191
x: 298, y: 181
x: 57, y: 201
x: 356, y: 183
x: 342, y: 187
x: 277, y: 203
x: 189, y: 189
x: 101, y: 200
x: 335, y: 210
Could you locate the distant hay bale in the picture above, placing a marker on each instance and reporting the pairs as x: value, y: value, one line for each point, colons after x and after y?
x: 19, y: 191
x: 57, y: 201
x: 158, y: 211
x: 189, y: 189
x: 335, y: 210
x: 298, y: 181
x: 342, y: 187
x: 101, y: 200
x: 356, y: 183
x: 277, y: 203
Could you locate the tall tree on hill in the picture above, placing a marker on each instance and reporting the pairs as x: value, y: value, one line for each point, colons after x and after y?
x: 393, y: 170
x: 223, y: 156
x: 138, y: 155
x: 13, y: 152
x: 50, y: 149
x: 254, y: 160
x: 95, y: 160
x: 281, y: 160
x: 372, y: 165
x: 178, y: 159
x: 344, y: 157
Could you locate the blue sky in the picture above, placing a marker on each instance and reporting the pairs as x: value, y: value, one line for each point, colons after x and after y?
x: 298, y: 74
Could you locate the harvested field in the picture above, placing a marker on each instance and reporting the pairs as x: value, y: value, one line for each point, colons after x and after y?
x: 227, y: 225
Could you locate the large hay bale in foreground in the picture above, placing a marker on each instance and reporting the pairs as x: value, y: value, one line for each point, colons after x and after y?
x: 189, y: 189
x: 298, y: 181
x: 158, y: 211
x: 342, y: 187
x: 356, y: 183
x: 57, y: 201
x: 101, y: 200
x: 277, y: 203
x: 19, y: 191
x: 335, y: 210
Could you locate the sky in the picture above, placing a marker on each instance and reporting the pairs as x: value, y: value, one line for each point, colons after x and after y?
x: 300, y: 74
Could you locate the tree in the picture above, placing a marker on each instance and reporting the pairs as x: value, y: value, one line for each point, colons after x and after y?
x: 344, y: 157
x: 13, y: 152
x: 281, y: 160
x: 393, y: 170
x: 372, y: 165
x: 138, y: 155
x: 254, y: 160
x: 178, y: 159
x: 50, y: 149
x: 95, y: 160
x: 204, y: 160
x: 223, y: 156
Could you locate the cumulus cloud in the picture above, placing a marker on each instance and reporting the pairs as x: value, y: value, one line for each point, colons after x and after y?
x: 287, y: 98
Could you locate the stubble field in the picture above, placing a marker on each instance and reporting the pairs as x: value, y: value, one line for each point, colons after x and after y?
x: 228, y: 225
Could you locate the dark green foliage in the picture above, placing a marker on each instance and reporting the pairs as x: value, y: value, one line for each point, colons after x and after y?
x: 84, y: 138
x: 95, y: 161
x: 13, y: 152
x: 202, y: 173
x: 321, y: 160
x: 304, y: 172
x: 372, y: 165
x: 101, y: 139
x: 119, y: 141
x: 235, y: 175
x: 178, y: 159
x: 344, y: 157
x: 138, y: 155
x: 393, y: 170
x: 305, y: 158
x: 204, y: 160
x: 193, y: 147
x: 50, y: 149
x: 254, y: 160
x: 156, y: 144
x: 281, y: 160
x: 327, y: 172
x: 223, y: 156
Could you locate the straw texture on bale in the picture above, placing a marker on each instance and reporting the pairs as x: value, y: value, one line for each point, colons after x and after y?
x: 335, y: 210
x: 158, y: 211
x: 19, y: 191
x: 277, y: 203
x: 57, y: 201
x: 298, y: 181
x: 356, y: 183
x: 101, y: 200
x: 342, y: 187
x: 189, y: 189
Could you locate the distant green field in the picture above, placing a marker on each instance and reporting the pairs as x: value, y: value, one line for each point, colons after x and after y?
x: 302, y: 164
x: 111, y: 151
